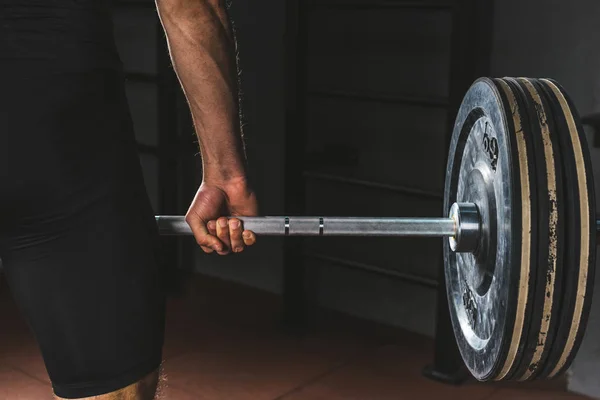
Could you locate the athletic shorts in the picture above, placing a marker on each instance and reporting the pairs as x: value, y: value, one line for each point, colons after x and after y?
x: 78, y: 240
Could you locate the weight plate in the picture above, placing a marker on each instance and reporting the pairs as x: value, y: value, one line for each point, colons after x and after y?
x: 572, y: 226
x: 547, y: 274
x: 580, y: 239
x: 516, y: 342
x: 490, y: 164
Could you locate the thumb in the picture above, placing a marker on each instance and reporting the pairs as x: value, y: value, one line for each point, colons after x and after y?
x: 207, y: 241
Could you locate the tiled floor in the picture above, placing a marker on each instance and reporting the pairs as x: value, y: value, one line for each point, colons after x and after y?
x: 224, y: 343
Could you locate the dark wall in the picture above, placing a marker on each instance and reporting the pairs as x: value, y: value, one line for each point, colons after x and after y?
x: 377, y: 83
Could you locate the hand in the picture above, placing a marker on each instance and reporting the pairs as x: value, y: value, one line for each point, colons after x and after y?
x: 213, y: 231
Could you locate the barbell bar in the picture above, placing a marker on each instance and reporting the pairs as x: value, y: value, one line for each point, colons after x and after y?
x: 462, y: 226
x: 521, y: 229
x: 327, y: 226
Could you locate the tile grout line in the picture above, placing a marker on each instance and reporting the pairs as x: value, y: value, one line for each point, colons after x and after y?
x: 314, y: 379
x: 493, y: 393
x: 329, y: 371
x: 30, y: 375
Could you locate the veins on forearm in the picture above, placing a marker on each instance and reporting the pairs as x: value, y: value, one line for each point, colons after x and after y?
x: 205, y: 56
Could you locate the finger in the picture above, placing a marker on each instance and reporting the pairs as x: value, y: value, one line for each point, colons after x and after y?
x: 223, y: 235
x: 212, y: 227
x: 212, y: 230
x: 203, y: 238
x: 207, y: 250
x: 249, y: 238
x: 235, y: 234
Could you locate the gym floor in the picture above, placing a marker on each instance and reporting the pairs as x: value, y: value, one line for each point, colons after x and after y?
x: 223, y: 342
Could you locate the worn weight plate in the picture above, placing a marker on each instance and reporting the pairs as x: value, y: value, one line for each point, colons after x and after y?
x: 490, y: 164
x: 572, y: 221
x: 524, y: 119
x: 580, y: 237
x: 547, y: 274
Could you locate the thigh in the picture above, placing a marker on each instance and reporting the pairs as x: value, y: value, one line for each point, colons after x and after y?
x: 90, y: 288
x: 78, y: 240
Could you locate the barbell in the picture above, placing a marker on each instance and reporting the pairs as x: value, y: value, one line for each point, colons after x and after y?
x: 521, y: 229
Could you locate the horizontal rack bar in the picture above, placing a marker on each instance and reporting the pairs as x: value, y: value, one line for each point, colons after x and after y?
x: 410, y: 191
x: 141, y: 77
x: 440, y: 102
x: 142, y: 5
x: 350, y: 4
x: 403, y: 276
x: 382, y: 5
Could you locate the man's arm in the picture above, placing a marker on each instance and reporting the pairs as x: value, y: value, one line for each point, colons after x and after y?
x: 203, y: 51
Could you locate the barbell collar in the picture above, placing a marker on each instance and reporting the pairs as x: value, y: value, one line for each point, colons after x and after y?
x: 468, y: 227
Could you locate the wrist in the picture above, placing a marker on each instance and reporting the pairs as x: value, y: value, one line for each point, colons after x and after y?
x: 223, y: 166
x: 227, y: 179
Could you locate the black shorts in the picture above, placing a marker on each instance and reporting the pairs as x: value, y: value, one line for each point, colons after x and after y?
x: 78, y: 240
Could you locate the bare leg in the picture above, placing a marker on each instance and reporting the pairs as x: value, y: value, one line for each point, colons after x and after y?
x: 145, y: 389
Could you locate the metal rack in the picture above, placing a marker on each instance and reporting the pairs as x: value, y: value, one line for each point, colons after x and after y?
x: 382, y: 97
x: 471, y: 38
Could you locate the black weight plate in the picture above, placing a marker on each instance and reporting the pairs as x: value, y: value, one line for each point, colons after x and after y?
x: 572, y: 227
x: 527, y: 280
x: 548, y: 275
x: 578, y: 280
x: 489, y: 165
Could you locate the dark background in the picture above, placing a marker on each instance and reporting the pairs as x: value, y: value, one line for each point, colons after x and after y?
x: 347, y: 109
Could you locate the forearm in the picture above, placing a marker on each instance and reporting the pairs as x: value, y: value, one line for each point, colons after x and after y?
x: 203, y: 52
